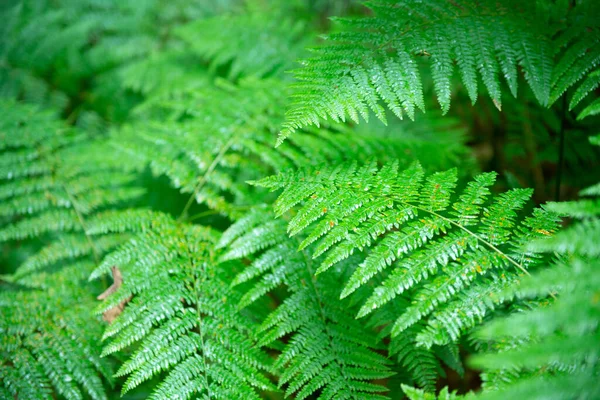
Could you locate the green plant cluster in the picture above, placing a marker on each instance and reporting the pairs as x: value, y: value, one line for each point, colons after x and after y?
x: 181, y: 217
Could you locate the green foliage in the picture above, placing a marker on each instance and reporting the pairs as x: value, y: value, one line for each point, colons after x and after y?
x: 53, y: 186
x: 416, y: 394
x: 211, y: 158
x: 49, y: 342
x: 561, y: 336
x: 328, y: 349
x: 182, y: 313
x: 376, y: 60
x: 577, y: 62
x: 451, y: 254
x: 257, y: 43
x: 52, y: 48
x: 142, y: 256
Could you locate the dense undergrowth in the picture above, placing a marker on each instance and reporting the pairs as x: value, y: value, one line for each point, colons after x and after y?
x: 247, y: 199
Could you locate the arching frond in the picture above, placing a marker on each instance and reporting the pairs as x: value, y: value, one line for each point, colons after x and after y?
x: 182, y: 317
x: 376, y: 60
x: 448, y: 251
x: 217, y: 138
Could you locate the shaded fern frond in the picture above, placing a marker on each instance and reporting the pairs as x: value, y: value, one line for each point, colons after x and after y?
x: 67, y: 45
x: 218, y: 137
x: 54, y: 182
x: 375, y: 60
x: 560, y: 336
x: 49, y: 342
x: 578, y: 44
x: 182, y: 317
x: 420, y: 364
x: 328, y: 353
x: 255, y: 43
x: 452, y: 253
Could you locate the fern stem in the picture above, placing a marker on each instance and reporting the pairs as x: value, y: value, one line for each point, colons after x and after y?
x: 73, y: 201
x: 202, y: 181
x: 479, y: 238
x: 476, y: 236
x: 82, y: 223
x: 199, y: 317
x: 213, y: 212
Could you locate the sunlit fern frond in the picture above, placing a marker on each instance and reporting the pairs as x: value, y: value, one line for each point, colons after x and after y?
x: 452, y: 254
x: 375, y: 60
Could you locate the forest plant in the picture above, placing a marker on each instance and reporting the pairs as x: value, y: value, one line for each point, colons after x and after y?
x: 137, y: 141
x: 55, y: 189
x: 376, y: 59
x: 561, y: 337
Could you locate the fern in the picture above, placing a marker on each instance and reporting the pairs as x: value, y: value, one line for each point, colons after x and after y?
x: 578, y: 58
x: 328, y: 350
x: 49, y: 340
x: 376, y: 59
x: 562, y: 335
x: 183, y: 318
x: 135, y: 138
x: 87, y: 45
x: 211, y: 159
x: 256, y: 43
x: 417, y: 394
x: 421, y: 365
x: 449, y: 258
x: 49, y: 187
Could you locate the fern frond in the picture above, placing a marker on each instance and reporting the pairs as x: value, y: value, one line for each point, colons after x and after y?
x: 329, y: 353
x: 52, y: 49
x: 560, y: 336
x: 255, y: 43
x: 421, y: 365
x: 376, y: 59
x: 54, y: 179
x: 182, y: 317
x: 439, y: 246
x: 210, y: 159
x: 53, y: 183
x: 578, y: 42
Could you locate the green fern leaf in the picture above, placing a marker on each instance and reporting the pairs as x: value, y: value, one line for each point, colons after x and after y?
x: 395, y: 219
x: 184, y: 318
x: 561, y: 335
x: 317, y: 358
x: 376, y: 59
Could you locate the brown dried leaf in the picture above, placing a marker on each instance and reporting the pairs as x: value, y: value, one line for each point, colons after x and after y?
x: 110, y: 314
